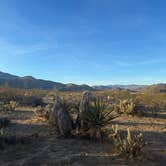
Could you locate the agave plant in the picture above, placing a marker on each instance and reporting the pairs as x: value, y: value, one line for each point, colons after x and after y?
x: 97, y: 116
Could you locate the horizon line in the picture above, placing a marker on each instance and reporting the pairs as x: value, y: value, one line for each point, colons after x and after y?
x: 89, y: 84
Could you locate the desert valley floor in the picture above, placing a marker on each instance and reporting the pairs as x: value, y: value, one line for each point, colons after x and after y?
x: 44, y: 148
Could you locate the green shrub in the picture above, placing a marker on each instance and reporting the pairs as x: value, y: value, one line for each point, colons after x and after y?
x: 33, y: 101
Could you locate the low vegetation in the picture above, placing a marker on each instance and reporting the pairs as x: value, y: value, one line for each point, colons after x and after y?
x: 84, y: 116
x: 128, y: 146
x: 97, y: 115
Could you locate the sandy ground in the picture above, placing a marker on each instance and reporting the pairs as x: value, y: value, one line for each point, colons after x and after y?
x: 47, y: 149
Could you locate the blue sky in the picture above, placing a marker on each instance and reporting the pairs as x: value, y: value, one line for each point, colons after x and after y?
x: 84, y: 41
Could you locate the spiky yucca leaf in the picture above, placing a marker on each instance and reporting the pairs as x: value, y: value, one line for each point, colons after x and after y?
x: 97, y: 115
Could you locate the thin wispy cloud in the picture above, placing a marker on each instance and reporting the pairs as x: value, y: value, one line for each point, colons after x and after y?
x: 123, y: 63
x: 7, y: 48
x: 153, y: 61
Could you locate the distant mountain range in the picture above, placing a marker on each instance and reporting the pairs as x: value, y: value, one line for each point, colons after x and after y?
x: 156, y: 88
x: 29, y: 82
x: 130, y: 87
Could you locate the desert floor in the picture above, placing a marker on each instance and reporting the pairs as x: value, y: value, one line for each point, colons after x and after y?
x: 44, y: 148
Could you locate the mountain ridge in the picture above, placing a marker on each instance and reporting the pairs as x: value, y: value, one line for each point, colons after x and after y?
x: 129, y: 86
x: 30, y: 82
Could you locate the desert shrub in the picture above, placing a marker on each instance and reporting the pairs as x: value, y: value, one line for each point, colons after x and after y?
x: 129, y: 146
x: 152, y: 99
x: 4, y: 122
x: 33, y: 101
x: 98, y: 116
x: 25, y: 97
x: 43, y: 112
x: 9, y: 94
x: 39, y: 111
x: 8, y: 107
x: 146, y: 110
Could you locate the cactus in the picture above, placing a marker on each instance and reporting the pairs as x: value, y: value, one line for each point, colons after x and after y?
x: 130, y: 146
x: 128, y: 136
x: 62, y: 117
x: 127, y: 106
x: 80, y: 121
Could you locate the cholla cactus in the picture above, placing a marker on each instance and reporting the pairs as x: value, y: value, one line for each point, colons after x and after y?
x: 130, y: 146
x: 114, y: 131
x: 128, y: 136
x: 127, y: 106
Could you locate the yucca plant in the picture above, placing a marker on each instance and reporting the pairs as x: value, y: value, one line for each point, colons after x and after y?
x: 97, y: 116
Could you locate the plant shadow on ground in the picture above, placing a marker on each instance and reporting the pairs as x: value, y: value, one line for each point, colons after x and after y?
x: 160, y: 115
x: 18, y: 114
x: 46, y: 149
x: 49, y: 150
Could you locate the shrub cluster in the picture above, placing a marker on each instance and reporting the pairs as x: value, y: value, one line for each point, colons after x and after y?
x: 8, y: 107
